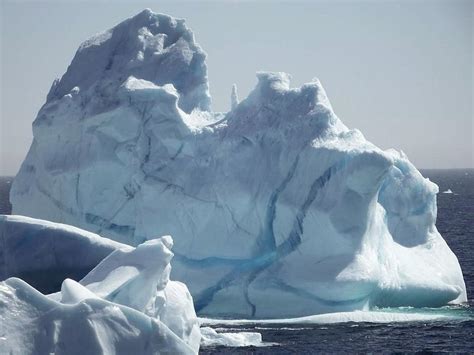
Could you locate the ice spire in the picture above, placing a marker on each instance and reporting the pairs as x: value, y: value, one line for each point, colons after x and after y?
x: 234, y: 97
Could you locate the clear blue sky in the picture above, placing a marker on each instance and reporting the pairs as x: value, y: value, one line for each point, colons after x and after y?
x: 400, y: 71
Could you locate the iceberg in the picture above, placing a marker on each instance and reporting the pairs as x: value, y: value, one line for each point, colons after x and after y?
x: 44, y: 253
x: 125, y: 304
x: 211, y: 338
x: 277, y: 209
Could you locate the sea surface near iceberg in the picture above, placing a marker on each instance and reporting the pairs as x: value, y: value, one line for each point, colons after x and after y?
x: 386, y: 330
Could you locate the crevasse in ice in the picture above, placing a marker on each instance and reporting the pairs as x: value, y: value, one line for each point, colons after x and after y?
x: 277, y: 209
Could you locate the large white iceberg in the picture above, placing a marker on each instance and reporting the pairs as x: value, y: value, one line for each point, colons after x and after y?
x: 126, y: 304
x: 276, y: 207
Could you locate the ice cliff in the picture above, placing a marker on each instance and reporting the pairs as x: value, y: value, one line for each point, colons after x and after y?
x: 126, y: 304
x: 277, y: 209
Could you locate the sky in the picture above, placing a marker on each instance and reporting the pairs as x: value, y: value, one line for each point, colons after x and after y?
x: 399, y: 71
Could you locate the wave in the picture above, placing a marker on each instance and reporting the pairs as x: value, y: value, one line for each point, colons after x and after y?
x: 376, y: 316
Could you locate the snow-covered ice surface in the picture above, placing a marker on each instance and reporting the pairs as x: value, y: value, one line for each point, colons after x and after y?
x: 126, y: 304
x: 277, y: 209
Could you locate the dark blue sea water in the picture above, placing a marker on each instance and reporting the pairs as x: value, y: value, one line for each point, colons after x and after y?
x: 456, y: 224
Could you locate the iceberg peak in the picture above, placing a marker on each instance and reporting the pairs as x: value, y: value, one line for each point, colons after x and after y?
x: 148, y: 46
x: 273, y: 81
x: 273, y: 107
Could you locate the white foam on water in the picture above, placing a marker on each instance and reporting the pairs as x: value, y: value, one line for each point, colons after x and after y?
x: 342, y: 317
x: 215, y: 332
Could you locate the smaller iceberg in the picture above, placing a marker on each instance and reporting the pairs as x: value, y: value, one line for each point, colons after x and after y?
x: 211, y: 338
x: 126, y: 304
x: 44, y: 253
x: 448, y: 191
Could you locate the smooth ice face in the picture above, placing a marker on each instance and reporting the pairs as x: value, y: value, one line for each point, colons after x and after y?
x: 44, y: 253
x: 277, y: 209
x: 126, y: 304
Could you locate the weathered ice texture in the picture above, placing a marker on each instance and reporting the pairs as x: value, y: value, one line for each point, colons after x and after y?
x: 126, y: 304
x: 277, y: 209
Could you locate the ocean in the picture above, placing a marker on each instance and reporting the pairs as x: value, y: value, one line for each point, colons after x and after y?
x: 455, y: 222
